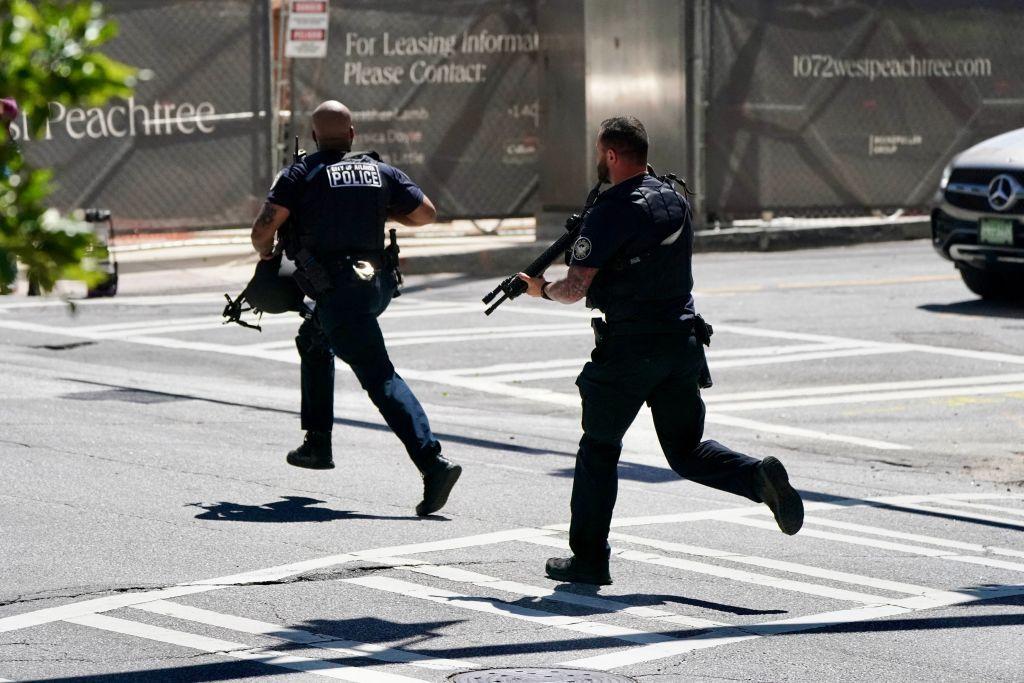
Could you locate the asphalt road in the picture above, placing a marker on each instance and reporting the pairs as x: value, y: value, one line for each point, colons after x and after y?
x: 151, y: 530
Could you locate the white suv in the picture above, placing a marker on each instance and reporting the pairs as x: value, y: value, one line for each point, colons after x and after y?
x: 979, y: 221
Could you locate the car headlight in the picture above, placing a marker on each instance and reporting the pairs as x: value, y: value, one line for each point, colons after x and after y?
x: 946, y: 172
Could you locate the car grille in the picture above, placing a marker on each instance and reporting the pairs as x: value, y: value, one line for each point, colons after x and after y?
x: 971, y: 202
x: 977, y: 176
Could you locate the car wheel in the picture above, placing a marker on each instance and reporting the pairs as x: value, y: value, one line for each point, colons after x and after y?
x: 986, y: 284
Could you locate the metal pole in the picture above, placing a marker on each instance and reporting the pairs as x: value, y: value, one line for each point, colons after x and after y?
x: 279, y: 83
x: 700, y: 64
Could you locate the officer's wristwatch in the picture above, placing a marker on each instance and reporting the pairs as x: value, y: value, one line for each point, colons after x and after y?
x: 544, y: 291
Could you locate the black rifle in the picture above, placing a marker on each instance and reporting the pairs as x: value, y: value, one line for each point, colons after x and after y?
x: 512, y: 286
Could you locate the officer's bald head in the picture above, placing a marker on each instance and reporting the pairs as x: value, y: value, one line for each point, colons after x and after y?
x: 332, y: 126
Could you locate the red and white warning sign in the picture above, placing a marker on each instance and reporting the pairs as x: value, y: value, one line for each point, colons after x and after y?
x: 307, y: 28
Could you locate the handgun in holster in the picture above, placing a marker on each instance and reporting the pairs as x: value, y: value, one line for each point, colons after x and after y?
x: 391, y: 261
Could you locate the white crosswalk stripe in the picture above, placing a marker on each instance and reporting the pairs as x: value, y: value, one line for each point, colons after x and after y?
x: 348, y: 648
x: 731, y: 574
x: 352, y: 660
x: 459, y: 575
x: 501, y: 608
x: 239, y: 651
x: 781, y: 565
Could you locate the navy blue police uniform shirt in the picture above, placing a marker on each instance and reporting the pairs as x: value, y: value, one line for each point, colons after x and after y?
x: 616, y: 228
x: 404, y: 196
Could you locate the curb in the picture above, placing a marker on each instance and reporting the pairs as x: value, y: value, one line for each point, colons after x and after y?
x: 502, y: 258
x: 510, y: 259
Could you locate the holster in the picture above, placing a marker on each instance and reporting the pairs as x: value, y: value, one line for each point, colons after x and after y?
x: 391, y: 261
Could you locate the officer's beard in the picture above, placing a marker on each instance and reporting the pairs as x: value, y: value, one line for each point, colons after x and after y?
x: 602, y: 171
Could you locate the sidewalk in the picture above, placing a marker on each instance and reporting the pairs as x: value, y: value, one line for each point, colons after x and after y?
x: 497, y: 247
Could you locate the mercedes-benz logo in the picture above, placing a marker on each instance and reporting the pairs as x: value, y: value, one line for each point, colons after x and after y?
x: 1002, y: 192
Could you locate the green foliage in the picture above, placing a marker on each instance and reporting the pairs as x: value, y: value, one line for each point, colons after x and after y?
x: 49, y: 52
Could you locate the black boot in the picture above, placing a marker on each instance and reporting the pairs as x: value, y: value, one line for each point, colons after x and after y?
x: 572, y: 570
x: 774, y: 488
x: 314, y: 453
x: 438, y: 480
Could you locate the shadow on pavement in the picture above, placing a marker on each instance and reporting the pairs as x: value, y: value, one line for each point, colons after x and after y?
x: 373, y: 630
x: 651, y: 600
x: 979, y: 308
x: 816, y: 497
x: 288, y: 509
x: 119, y: 392
x: 631, y: 471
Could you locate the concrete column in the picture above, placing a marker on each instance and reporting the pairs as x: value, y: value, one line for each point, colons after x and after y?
x: 602, y: 58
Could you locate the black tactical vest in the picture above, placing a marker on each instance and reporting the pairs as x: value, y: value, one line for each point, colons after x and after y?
x: 344, y: 203
x: 639, y: 281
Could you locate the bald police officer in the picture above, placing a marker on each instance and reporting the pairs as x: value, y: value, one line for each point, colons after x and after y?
x: 633, y: 262
x: 338, y: 203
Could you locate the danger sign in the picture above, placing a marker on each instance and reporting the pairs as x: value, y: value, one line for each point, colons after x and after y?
x: 307, y: 28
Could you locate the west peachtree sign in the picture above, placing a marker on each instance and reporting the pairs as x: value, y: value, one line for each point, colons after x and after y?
x: 191, y: 149
x: 121, y: 120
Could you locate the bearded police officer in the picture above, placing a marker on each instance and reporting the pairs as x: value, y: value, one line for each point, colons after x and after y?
x: 633, y: 262
x: 337, y: 203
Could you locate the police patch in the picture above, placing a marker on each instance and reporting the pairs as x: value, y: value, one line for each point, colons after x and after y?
x: 581, y: 250
x: 353, y: 174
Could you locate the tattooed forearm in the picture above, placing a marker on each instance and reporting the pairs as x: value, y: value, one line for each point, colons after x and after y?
x: 575, y: 285
x: 266, y: 216
x: 266, y: 224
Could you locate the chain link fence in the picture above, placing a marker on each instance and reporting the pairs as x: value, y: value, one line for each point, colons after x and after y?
x: 841, y: 106
x: 192, y: 147
x: 447, y: 91
x: 814, y: 108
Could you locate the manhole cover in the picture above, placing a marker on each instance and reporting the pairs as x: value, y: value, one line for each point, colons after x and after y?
x: 538, y: 675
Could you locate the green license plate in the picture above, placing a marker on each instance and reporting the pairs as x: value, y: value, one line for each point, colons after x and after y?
x: 995, y: 231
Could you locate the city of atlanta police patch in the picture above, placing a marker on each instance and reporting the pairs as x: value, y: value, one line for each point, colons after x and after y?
x: 581, y: 250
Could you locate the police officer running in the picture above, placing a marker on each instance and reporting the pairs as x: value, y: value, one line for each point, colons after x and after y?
x: 633, y: 262
x: 338, y: 202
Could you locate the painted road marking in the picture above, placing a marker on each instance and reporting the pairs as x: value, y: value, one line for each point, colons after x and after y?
x: 475, y: 384
x: 349, y: 648
x: 714, y: 364
x: 734, y: 634
x: 657, y: 644
x: 727, y: 573
x: 501, y: 608
x: 485, y: 385
x: 791, y: 567
x: 577, y: 363
x: 766, y: 333
x: 887, y: 545
x: 227, y: 648
x: 865, y: 388
x: 458, y: 575
x: 112, y: 602
x: 920, y: 538
x: 872, y: 397
x: 963, y: 514
x: 982, y: 506
x: 811, y: 434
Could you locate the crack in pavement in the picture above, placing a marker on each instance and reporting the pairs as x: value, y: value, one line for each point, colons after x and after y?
x: 308, y: 577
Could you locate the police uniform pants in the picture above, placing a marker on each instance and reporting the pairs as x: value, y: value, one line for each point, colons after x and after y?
x: 625, y: 372
x: 345, y: 324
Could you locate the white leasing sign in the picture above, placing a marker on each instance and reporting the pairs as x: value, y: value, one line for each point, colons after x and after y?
x: 307, y: 28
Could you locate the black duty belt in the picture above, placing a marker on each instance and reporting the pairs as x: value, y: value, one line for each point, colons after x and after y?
x: 615, y: 329
x: 695, y: 325
x: 341, y: 260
